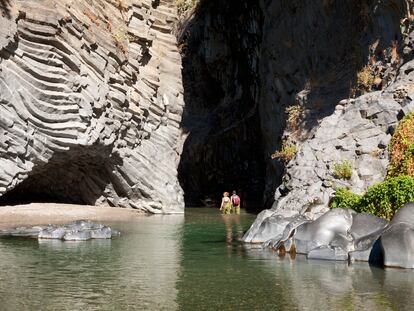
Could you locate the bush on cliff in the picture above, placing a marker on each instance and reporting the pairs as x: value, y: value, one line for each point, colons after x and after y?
x: 402, y: 149
x: 382, y: 199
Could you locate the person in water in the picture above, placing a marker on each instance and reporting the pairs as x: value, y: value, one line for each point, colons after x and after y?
x: 235, y: 203
x: 225, y: 206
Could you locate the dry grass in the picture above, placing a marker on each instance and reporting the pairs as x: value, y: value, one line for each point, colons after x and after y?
x: 287, y: 152
x: 402, y: 149
x: 365, y: 78
x: 185, y: 5
x: 295, y: 115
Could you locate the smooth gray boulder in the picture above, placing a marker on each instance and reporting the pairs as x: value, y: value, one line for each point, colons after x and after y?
x: 78, y: 235
x: 334, y: 224
x: 326, y: 252
x: 397, y: 242
x: 364, y: 224
x: 80, y: 230
x: 52, y: 233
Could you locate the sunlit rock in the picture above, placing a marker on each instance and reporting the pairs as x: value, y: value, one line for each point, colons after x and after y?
x: 397, y: 242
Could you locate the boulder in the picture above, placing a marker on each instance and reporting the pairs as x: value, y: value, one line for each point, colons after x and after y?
x: 330, y: 227
x: 397, y: 242
x: 80, y: 230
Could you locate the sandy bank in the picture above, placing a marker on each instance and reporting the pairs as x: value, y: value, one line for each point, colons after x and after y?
x: 45, y: 213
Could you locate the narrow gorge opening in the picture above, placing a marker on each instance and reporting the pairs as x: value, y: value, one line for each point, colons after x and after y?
x: 242, y: 71
x: 224, y: 150
x: 79, y: 176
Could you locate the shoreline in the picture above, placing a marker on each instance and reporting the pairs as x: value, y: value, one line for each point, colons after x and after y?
x: 12, y: 216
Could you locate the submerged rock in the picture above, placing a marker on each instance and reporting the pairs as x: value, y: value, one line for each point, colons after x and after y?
x: 80, y: 230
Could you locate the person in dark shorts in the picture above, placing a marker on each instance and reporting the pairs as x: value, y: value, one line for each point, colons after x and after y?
x: 235, y: 203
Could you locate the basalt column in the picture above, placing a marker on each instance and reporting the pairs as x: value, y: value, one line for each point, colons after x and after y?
x: 91, y: 100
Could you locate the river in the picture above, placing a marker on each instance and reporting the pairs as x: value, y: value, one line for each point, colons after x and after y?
x: 190, y: 262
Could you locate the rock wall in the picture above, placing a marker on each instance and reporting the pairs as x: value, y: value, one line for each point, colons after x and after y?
x: 358, y: 129
x: 91, y: 100
x: 274, y: 55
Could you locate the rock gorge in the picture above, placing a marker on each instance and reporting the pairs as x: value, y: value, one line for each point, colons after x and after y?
x: 91, y: 103
x: 125, y: 103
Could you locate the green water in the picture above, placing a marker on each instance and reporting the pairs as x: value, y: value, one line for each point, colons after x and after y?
x: 190, y: 262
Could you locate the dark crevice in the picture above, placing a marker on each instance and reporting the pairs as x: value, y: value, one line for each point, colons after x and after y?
x: 224, y: 150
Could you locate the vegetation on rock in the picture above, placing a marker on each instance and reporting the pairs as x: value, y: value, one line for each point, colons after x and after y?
x: 365, y: 78
x: 185, y: 5
x: 287, y: 152
x: 382, y: 199
x: 342, y: 170
x: 295, y: 115
x: 402, y: 149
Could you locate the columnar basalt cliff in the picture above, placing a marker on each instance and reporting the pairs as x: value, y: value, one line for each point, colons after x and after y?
x: 91, y: 100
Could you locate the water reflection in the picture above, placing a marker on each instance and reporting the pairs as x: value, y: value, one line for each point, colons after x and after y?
x: 137, y: 271
x: 166, y: 263
x: 328, y: 285
x: 231, y: 221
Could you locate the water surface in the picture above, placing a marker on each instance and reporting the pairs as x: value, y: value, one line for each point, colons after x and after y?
x: 190, y: 262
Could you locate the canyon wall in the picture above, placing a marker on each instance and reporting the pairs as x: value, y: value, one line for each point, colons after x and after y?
x: 91, y: 100
x: 246, y: 64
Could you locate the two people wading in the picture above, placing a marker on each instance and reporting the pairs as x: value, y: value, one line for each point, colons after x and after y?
x: 230, y: 205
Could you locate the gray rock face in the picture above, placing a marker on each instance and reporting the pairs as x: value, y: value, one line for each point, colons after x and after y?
x: 365, y: 121
x: 397, y: 242
x: 340, y: 234
x: 343, y: 234
x: 91, y: 100
x: 80, y: 230
x: 331, y: 228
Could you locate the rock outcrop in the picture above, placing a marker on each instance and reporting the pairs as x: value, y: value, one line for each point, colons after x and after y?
x: 91, y: 100
x: 80, y: 230
x: 343, y: 234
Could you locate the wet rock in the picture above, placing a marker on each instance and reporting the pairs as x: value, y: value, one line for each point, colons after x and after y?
x: 80, y: 230
x: 52, y: 233
x: 328, y: 253
x: 78, y: 235
x: 335, y: 224
x: 364, y: 224
x: 397, y: 242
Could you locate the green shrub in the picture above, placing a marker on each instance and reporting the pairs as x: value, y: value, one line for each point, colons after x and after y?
x: 382, y: 199
x: 346, y: 199
x: 342, y: 170
x: 385, y: 198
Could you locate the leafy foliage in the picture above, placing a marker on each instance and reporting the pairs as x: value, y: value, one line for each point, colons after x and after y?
x: 402, y: 149
x: 345, y: 198
x: 382, y: 199
x: 342, y: 170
